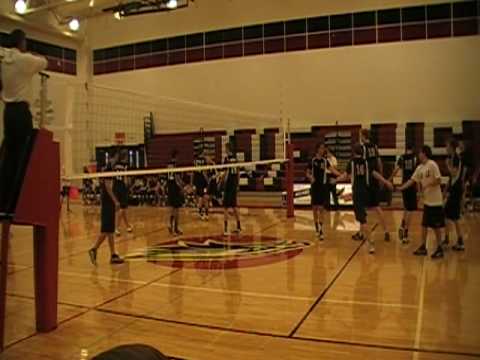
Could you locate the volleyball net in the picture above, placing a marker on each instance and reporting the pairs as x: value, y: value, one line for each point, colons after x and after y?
x: 91, y: 122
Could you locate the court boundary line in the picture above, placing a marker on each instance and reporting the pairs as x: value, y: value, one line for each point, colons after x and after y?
x: 287, y: 337
x: 328, y: 287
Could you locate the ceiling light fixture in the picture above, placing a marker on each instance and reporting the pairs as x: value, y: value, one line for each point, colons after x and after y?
x: 138, y: 7
x: 20, y: 6
x: 172, y: 4
x: 74, y: 24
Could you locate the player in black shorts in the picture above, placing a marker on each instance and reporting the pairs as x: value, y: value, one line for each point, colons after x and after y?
x: 230, y: 186
x: 120, y: 189
x: 320, y: 186
x: 361, y: 176
x: 175, y: 196
x: 109, y: 204
x: 371, y: 154
x: 200, y: 181
x: 407, y: 163
x: 453, y: 205
x: 428, y: 178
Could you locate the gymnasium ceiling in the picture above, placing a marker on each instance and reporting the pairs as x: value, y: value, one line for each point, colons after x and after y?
x: 56, y: 13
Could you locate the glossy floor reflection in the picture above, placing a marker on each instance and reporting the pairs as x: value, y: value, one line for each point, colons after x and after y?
x: 329, y: 298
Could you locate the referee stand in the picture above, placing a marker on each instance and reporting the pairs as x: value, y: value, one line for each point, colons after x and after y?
x: 37, y: 205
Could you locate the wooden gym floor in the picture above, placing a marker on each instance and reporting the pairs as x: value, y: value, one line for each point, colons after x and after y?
x: 331, y: 301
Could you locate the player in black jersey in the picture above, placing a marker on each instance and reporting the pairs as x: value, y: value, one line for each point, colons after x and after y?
x: 230, y: 186
x: 200, y: 181
x: 454, y: 195
x: 120, y: 189
x: 407, y: 163
x: 175, y: 195
x: 371, y: 154
x: 361, y: 177
x: 212, y: 187
x: 109, y: 204
x: 318, y: 175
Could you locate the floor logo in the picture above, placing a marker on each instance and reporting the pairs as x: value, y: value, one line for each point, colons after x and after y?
x: 220, y: 252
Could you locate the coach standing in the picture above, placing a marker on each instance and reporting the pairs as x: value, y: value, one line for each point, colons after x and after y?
x: 17, y: 68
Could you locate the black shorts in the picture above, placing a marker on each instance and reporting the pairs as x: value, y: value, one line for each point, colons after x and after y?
x: 212, y: 188
x: 200, y: 184
x: 410, y: 202
x: 107, y: 214
x: 360, y: 202
x: 453, y: 206
x: 201, y: 191
x: 320, y: 195
x: 121, y: 193
x: 230, y: 197
x: 433, y: 217
x: 373, y: 195
x: 175, y: 197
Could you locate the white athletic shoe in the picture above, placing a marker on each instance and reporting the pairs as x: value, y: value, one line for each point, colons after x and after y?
x: 129, y: 229
x: 118, y: 233
x: 371, y: 247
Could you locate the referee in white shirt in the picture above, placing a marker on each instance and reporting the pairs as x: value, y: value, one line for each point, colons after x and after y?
x: 17, y: 69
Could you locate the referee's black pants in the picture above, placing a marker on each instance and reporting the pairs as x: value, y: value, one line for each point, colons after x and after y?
x: 18, y: 127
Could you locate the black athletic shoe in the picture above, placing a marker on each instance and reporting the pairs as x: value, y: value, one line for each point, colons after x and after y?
x: 178, y: 232
x: 401, y: 233
x: 421, y: 251
x: 93, y: 256
x: 438, y: 254
x: 116, y: 260
x: 459, y: 246
x: 387, y: 237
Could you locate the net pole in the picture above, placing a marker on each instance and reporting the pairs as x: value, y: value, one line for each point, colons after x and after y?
x: 290, y: 180
x: 43, y: 99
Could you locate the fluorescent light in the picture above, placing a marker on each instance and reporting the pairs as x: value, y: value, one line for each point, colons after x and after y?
x: 172, y: 4
x: 20, y: 6
x: 74, y: 24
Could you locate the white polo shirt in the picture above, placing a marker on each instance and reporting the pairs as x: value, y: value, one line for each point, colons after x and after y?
x: 424, y: 175
x: 333, y: 162
x: 17, y: 71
